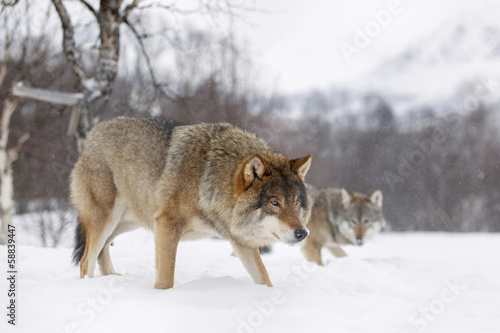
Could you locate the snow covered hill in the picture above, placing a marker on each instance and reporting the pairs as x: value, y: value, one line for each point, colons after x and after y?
x: 432, y: 68
x: 397, y: 283
x: 422, y: 56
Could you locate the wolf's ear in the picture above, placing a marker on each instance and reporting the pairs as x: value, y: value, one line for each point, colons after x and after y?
x: 346, y: 197
x: 255, y: 167
x: 376, y: 198
x: 301, y: 165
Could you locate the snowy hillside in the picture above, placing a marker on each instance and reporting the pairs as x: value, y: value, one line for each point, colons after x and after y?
x: 396, y: 283
x: 434, y: 67
x: 421, y: 56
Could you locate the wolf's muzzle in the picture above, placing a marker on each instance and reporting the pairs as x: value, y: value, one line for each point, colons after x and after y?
x: 301, y: 233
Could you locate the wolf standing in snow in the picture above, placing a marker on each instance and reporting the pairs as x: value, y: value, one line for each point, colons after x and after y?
x: 185, y: 182
x: 340, y: 217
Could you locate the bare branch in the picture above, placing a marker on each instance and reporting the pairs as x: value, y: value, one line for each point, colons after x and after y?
x: 50, y: 96
x: 170, y: 8
x: 14, y: 152
x: 129, y: 8
x: 89, y: 7
x: 210, y: 8
x: 26, y: 38
x: 69, y: 44
x: 7, y: 3
x: 3, y: 67
x: 38, y: 52
x: 159, y: 87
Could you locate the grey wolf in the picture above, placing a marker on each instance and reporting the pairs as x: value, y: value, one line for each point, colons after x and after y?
x: 185, y: 182
x: 340, y: 217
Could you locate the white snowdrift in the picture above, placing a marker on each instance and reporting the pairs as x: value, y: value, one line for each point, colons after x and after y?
x: 396, y: 283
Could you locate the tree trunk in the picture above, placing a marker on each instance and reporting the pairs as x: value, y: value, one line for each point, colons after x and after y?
x: 6, y: 187
x: 96, y: 90
x: 7, y: 202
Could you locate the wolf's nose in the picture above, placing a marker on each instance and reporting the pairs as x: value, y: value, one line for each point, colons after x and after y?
x: 301, y: 233
x: 359, y: 241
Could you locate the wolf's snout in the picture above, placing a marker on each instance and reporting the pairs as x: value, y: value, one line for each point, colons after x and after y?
x: 359, y: 241
x: 301, y: 234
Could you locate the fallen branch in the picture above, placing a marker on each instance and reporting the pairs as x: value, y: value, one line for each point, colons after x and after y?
x: 56, y: 97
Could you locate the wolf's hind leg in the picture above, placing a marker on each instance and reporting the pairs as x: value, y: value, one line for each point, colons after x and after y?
x: 104, y: 257
x: 101, y: 231
x: 337, y: 251
x: 104, y: 260
x: 95, y: 243
x: 253, y: 263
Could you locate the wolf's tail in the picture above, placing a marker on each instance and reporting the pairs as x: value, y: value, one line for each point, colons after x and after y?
x: 80, y: 239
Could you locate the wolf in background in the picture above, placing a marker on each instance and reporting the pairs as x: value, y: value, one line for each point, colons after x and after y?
x: 185, y: 182
x: 340, y: 217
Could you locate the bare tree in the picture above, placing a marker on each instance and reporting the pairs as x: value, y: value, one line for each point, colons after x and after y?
x: 25, y: 64
x: 51, y: 219
x: 110, y: 16
x: 96, y: 90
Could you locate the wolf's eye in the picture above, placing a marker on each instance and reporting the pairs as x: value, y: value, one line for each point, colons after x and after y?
x: 275, y: 203
x: 366, y: 221
x: 353, y: 221
x: 297, y: 202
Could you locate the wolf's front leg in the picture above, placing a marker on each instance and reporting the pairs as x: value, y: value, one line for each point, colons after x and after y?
x: 312, y: 252
x: 253, y: 263
x: 167, y: 236
x: 337, y: 251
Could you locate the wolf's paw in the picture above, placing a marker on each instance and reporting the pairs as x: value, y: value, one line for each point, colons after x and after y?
x: 163, y: 285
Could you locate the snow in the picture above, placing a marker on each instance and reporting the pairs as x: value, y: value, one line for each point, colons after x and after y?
x: 424, y: 282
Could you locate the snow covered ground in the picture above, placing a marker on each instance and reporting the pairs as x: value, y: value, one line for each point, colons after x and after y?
x: 396, y: 283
